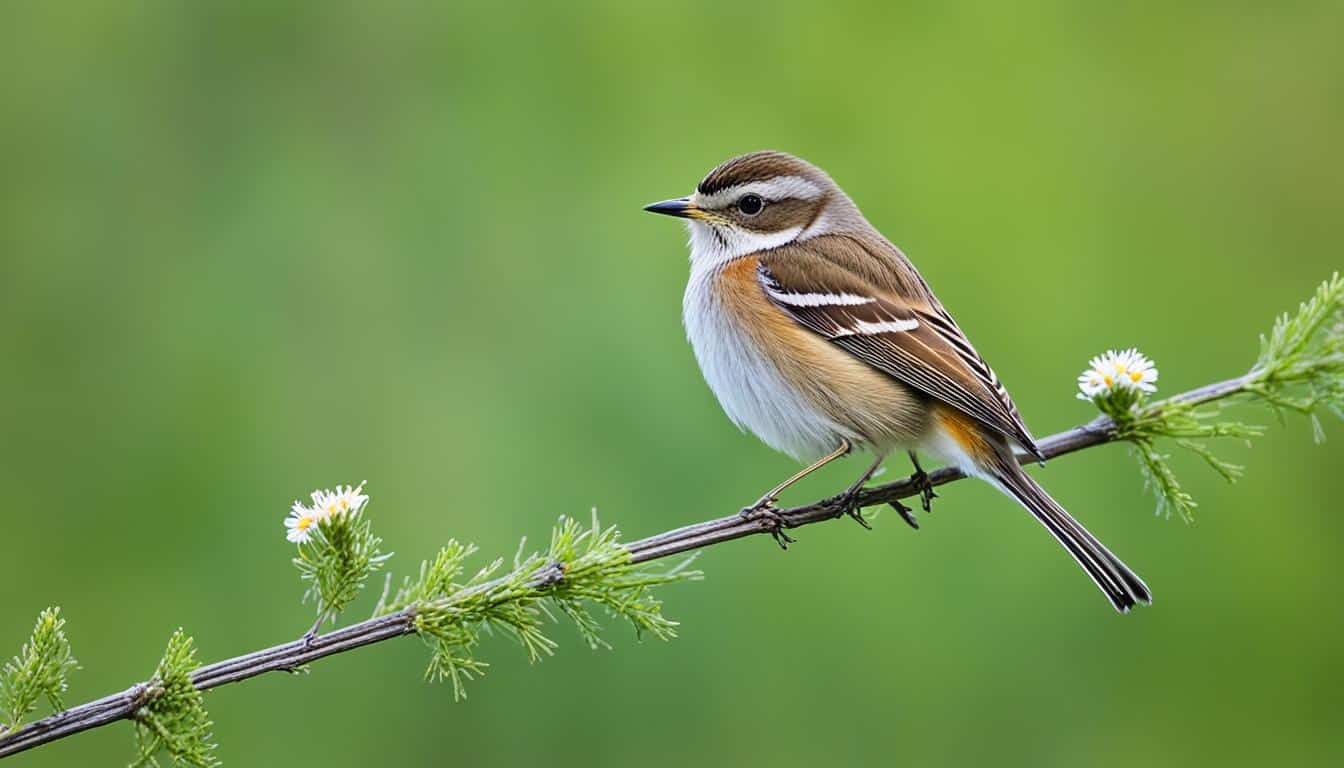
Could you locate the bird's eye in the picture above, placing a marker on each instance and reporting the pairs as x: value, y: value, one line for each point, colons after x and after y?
x: 750, y: 205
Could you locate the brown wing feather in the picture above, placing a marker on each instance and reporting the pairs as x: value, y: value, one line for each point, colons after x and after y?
x: 924, y: 348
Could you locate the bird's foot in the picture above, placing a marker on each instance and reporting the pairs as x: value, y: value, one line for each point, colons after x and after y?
x: 766, y: 514
x: 926, y: 493
x: 847, y: 503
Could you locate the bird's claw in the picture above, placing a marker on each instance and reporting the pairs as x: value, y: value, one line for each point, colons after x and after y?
x: 926, y: 492
x: 766, y: 514
x: 847, y: 503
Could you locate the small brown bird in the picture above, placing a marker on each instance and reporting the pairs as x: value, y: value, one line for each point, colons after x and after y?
x: 819, y: 335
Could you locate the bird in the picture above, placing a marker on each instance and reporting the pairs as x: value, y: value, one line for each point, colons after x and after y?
x: 820, y: 337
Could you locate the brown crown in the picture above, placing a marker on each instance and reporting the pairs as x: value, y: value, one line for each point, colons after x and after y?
x: 757, y: 166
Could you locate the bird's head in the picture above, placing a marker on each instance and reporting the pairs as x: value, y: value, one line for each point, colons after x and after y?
x: 756, y: 202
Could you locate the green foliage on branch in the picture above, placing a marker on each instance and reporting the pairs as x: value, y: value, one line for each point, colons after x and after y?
x: 583, y: 568
x: 39, y: 671
x: 1301, y: 364
x: 1300, y: 369
x: 172, y: 717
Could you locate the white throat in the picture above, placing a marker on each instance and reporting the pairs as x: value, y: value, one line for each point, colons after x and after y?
x: 712, y: 247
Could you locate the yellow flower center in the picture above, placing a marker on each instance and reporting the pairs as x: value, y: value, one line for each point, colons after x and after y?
x: 304, y: 523
x: 1108, y: 380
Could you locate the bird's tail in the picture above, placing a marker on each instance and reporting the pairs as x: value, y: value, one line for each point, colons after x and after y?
x: 1120, y: 584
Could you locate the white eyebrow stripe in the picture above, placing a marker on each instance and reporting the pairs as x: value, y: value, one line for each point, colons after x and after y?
x: 819, y: 299
x: 865, y: 328
x: 778, y: 188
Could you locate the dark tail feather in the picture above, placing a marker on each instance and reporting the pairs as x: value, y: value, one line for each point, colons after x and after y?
x: 1122, y: 586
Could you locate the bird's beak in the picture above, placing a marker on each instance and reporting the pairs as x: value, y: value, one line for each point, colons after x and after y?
x: 682, y: 208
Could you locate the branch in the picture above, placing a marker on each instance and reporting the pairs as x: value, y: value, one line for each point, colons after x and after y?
x: 1300, y: 369
x: 291, y: 656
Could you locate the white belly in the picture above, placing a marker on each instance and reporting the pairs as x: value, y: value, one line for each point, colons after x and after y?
x: 748, y: 385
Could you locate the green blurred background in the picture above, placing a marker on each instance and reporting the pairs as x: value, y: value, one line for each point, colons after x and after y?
x: 246, y: 251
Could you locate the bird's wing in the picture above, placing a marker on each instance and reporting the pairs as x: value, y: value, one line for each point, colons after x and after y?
x: 876, y: 307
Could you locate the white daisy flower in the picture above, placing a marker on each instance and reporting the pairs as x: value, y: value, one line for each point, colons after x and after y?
x: 1093, y: 382
x: 1099, y: 378
x: 1135, y: 370
x: 1127, y: 369
x: 350, y: 500
x: 345, y: 500
x: 300, y: 523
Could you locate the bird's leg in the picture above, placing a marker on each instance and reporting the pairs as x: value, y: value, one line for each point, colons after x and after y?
x: 921, y: 478
x: 847, y: 502
x: 764, y: 508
